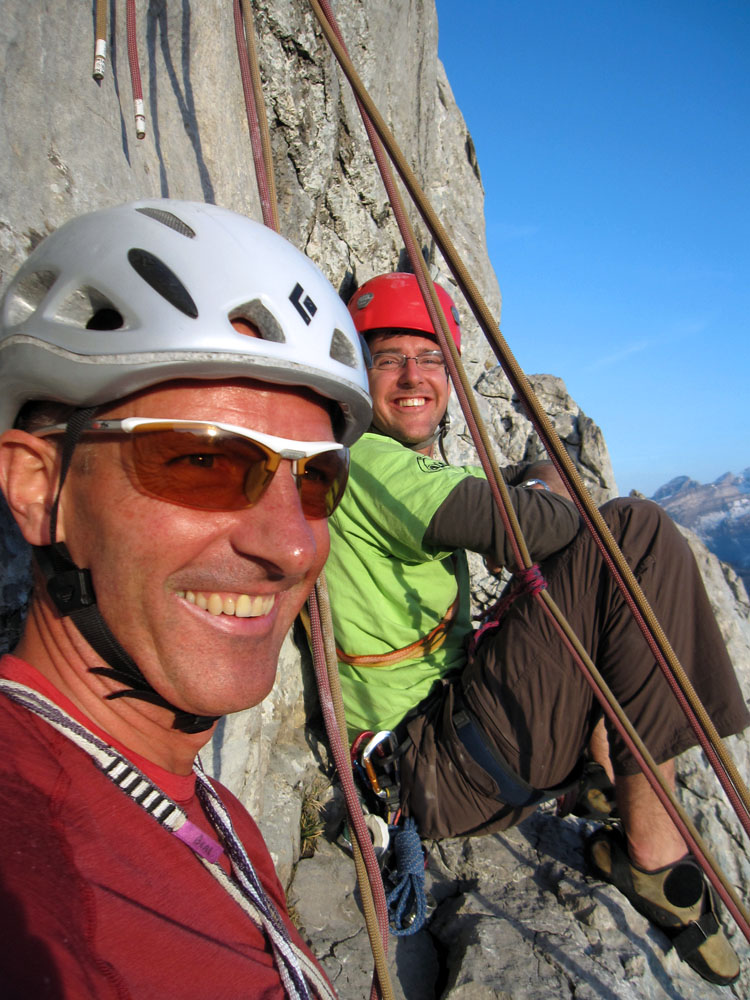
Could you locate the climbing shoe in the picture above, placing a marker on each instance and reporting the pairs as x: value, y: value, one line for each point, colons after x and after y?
x: 677, y: 898
x: 592, y: 797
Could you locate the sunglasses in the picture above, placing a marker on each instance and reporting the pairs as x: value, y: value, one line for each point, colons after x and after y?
x: 213, y: 466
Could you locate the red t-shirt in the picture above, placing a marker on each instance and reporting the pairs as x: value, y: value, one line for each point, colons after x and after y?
x: 96, y: 899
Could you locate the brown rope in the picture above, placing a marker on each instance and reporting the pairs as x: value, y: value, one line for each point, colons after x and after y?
x: 100, y: 42
x: 256, y: 112
x: 332, y: 704
x: 369, y: 879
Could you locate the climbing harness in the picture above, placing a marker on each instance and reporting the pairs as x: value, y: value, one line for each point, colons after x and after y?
x: 298, y: 974
x: 512, y: 790
x: 416, y: 650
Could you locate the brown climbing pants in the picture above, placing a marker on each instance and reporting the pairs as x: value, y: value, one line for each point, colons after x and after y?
x: 532, y: 701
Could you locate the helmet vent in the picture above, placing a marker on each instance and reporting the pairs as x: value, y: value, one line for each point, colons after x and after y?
x: 106, y: 319
x: 163, y: 280
x: 262, y: 318
x: 83, y: 307
x: 168, y: 219
x: 27, y: 296
x: 342, y: 350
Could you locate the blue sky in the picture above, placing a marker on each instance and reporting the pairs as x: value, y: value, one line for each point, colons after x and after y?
x: 613, y: 139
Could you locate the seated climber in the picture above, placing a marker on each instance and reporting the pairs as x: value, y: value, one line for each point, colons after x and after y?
x: 178, y: 387
x: 484, y: 740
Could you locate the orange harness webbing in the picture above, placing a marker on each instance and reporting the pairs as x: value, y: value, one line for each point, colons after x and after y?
x: 422, y: 647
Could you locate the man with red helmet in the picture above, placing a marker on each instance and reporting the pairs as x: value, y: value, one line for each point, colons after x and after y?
x: 391, y: 306
x: 484, y: 741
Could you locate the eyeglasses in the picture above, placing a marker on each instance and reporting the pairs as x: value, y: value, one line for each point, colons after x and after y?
x: 391, y: 361
x: 213, y: 466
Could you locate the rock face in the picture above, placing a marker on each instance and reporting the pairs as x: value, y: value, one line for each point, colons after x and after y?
x: 718, y: 512
x: 516, y: 916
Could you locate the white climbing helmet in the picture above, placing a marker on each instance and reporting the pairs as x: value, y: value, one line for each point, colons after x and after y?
x: 128, y: 297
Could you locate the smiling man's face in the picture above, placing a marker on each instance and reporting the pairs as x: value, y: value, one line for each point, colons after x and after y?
x: 409, y: 402
x: 201, y: 598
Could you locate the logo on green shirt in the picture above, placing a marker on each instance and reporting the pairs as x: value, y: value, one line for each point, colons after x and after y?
x: 427, y: 464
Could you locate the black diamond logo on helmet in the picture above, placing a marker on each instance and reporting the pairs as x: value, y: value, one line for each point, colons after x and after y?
x: 304, y: 306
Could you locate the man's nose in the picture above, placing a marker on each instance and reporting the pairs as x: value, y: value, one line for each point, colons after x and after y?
x: 275, y: 530
x: 410, y: 372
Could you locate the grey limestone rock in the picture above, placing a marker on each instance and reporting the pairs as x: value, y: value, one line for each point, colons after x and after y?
x: 516, y: 916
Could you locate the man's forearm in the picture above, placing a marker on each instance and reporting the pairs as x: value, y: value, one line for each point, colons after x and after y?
x: 469, y: 519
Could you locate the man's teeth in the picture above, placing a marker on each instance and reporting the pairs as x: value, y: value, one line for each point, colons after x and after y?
x: 412, y: 401
x: 239, y: 605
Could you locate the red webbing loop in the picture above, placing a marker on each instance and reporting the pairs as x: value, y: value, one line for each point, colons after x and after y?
x: 527, y: 581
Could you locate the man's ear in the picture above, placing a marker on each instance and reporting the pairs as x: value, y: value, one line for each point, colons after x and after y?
x: 29, y: 468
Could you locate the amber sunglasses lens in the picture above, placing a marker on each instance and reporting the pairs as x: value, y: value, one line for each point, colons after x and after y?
x: 220, y: 471
x: 321, y: 481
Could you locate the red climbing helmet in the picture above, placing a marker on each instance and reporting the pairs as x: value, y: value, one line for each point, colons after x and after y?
x: 394, y: 301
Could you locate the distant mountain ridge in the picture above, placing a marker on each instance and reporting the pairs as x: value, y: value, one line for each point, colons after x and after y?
x: 718, y: 512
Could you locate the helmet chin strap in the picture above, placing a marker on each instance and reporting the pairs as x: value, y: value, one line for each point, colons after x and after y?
x: 443, y: 428
x: 72, y: 592
x: 438, y: 435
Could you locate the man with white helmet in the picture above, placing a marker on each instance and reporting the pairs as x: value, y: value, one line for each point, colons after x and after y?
x: 178, y: 388
x: 486, y: 734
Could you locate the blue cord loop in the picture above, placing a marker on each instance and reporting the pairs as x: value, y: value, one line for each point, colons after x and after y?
x: 407, y: 900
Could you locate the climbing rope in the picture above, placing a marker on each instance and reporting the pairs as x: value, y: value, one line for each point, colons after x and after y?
x: 380, y: 136
x: 100, y: 58
x: 407, y: 901
x: 100, y: 42
x: 332, y: 706
x: 135, y: 71
x: 257, y: 122
x: 321, y: 627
